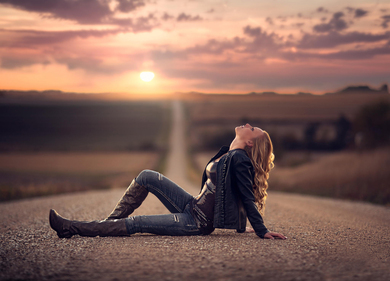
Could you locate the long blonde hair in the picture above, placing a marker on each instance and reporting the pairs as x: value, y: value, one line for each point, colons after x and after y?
x: 262, y: 157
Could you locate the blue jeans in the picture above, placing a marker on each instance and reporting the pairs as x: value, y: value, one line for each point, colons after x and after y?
x: 174, y: 198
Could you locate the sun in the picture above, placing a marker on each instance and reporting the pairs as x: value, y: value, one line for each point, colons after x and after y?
x: 146, y: 76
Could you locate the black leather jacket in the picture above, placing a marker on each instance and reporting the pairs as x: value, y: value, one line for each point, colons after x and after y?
x: 234, y: 198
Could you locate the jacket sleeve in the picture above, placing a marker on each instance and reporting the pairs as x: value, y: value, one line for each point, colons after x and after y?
x: 243, y: 172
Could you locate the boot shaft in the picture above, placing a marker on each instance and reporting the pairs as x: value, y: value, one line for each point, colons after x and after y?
x: 66, y: 228
x: 133, y: 197
x: 99, y: 228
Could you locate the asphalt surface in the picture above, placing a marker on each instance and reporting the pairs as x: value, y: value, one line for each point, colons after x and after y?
x: 327, y: 239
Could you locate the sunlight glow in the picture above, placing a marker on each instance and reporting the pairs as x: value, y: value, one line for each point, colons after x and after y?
x: 146, y: 76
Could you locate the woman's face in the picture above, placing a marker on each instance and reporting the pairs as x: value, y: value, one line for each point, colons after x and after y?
x: 248, y: 133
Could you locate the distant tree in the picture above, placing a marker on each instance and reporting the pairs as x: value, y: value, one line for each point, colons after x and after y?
x: 384, y: 88
x: 372, y: 124
x: 290, y: 142
x: 310, y: 134
x: 343, y: 132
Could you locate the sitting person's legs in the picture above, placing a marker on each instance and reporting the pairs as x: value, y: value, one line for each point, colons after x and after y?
x: 174, y: 198
x: 170, y: 194
x: 179, y: 224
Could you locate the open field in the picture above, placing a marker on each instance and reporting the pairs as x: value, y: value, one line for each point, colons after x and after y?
x: 347, y: 174
x: 50, y: 147
x: 286, y: 117
x: 81, y: 126
x: 362, y: 176
x: 140, y: 126
x: 278, y: 107
x: 44, y: 173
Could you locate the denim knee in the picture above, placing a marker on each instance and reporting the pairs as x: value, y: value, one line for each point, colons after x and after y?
x: 145, y: 177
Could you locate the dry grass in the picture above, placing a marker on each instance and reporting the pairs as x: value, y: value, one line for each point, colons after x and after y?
x: 349, y: 175
x: 76, y: 162
x: 54, y: 147
x: 111, y: 126
x: 34, y: 174
x: 279, y: 107
x: 212, y: 118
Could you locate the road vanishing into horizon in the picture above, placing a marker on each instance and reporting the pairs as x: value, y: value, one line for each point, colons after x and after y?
x: 328, y: 239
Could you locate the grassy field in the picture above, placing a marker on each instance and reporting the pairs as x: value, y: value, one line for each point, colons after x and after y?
x: 57, y: 146
x: 213, y: 118
x: 362, y: 176
x: 25, y: 175
x: 347, y: 174
x: 223, y: 108
x: 43, y: 173
x: 93, y: 126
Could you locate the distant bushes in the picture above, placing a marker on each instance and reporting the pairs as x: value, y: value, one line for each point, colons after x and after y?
x: 372, y: 125
x: 369, y: 129
x: 334, y: 135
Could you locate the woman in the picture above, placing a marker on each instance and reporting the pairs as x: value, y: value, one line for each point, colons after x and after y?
x: 234, y: 188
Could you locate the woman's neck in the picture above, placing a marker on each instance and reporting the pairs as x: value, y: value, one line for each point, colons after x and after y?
x: 236, y: 144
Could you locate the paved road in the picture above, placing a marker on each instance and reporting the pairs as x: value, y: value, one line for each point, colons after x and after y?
x: 327, y: 240
x: 177, y: 158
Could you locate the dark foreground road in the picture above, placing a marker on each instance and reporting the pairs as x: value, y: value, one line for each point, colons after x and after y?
x: 327, y: 240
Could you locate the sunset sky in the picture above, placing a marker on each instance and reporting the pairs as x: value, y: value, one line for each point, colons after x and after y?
x: 235, y: 46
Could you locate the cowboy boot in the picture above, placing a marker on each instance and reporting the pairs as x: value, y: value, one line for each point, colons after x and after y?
x: 133, y: 197
x: 67, y: 228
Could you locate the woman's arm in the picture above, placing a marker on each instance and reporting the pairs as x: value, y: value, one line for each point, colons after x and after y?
x: 244, y: 180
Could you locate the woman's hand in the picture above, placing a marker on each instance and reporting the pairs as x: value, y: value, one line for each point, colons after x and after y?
x: 249, y: 230
x: 273, y: 235
x: 268, y: 235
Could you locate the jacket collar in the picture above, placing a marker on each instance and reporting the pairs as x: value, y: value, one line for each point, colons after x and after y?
x: 225, y: 149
